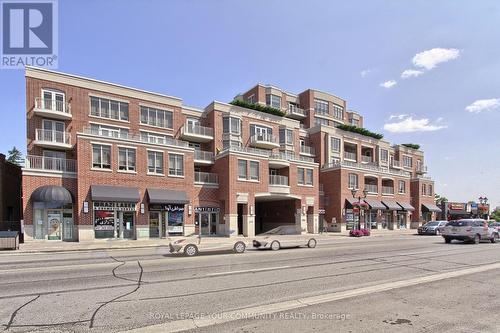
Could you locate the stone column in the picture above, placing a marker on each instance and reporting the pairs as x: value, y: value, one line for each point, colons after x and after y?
x: 231, y: 223
x: 249, y: 225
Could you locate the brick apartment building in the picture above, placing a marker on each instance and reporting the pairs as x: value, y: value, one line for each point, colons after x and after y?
x: 10, y: 195
x: 108, y: 161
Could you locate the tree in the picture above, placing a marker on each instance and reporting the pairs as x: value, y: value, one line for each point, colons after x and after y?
x: 439, y: 199
x: 496, y: 215
x: 15, y: 156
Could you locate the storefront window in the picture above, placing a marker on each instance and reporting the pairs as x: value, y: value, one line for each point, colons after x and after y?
x: 114, y: 220
x: 53, y: 221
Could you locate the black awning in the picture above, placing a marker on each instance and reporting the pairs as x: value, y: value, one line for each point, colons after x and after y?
x: 162, y: 196
x: 430, y: 208
x: 114, y: 193
x: 349, y: 202
x: 375, y: 204
x: 406, y: 206
x: 391, y: 205
x: 53, y: 194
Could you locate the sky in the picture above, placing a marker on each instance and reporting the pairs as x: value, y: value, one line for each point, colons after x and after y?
x: 424, y: 72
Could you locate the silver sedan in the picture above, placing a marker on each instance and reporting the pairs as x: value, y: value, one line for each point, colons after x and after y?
x: 193, y: 245
x: 283, y: 237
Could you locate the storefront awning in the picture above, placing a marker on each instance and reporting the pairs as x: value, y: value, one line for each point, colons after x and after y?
x: 391, y: 205
x: 349, y: 202
x: 162, y: 196
x: 53, y: 194
x: 406, y: 206
x: 431, y: 208
x: 114, y: 193
x: 375, y: 204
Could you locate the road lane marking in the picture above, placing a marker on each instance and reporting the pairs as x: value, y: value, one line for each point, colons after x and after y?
x: 249, y: 270
x: 263, y: 310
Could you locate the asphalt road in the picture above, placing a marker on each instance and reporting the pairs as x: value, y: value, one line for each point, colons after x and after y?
x: 392, y: 283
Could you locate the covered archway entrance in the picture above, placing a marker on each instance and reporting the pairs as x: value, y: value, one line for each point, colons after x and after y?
x: 274, y: 211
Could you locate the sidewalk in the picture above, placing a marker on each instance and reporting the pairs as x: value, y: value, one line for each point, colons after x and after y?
x: 57, y: 246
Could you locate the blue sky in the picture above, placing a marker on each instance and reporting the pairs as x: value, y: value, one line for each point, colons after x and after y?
x: 211, y: 50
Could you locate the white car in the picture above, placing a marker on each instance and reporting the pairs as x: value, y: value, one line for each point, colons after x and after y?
x: 282, y: 237
x: 192, y: 245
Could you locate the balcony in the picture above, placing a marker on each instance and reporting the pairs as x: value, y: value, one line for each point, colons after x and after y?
x: 306, y: 150
x: 52, y: 139
x: 366, y: 159
x: 396, y: 164
x: 197, y: 133
x: 371, y: 188
x: 278, y: 184
x: 280, y: 160
x: 203, y: 157
x: 265, y: 141
x: 388, y: 190
x: 365, y: 166
x: 422, y: 169
x: 50, y: 164
x: 295, y: 112
x: 52, y: 108
x: 350, y: 156
x: 202, y: 178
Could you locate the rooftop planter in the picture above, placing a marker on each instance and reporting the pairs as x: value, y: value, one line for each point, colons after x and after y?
x: 359, y: 130
x: 258, y: 107
x: 411, y: 145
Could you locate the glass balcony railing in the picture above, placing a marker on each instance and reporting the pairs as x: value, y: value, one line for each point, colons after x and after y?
x: 49, y: 164
x: 278, y: 180
x: 206, y: 178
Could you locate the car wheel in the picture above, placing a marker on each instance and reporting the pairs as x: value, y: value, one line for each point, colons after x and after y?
x: 191, y: 250
x: 239, y: 247
x: 312, y: 243
x: 275, y: 246
x: 476, y: 239
x: 494, y: 239
x: 447, y: 240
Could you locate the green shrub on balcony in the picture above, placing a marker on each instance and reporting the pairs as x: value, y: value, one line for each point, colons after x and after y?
x: 359, y: 130
x: 258, y: 107
x: 411, y: 145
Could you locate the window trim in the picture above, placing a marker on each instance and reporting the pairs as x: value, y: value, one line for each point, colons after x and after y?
x: 110, y: 146
x: 127, y: 148
x: 110, y: 99
x: 156, y: 109
x: 356, y: 187
x: 176, y: 174
x: 154, y: 173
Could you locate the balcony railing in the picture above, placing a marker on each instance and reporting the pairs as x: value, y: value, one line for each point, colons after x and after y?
x: 421, y: 169
x: 52, y: 136
x: 278, y: 180
x: 350, y: 155
x: 371, y: 188
x: 50, y: 164
x: 293, y: 109
x: 387, y: 190
x: 396, y: 164
x: 307, y: 150
x: 264, y: 138
x: 206, y: 178
x: 136, y: 137
x: 201, y: 155
x: 367, y: 159
x: 366, y: 166
x: 52, y: 105
x: 197, y: 130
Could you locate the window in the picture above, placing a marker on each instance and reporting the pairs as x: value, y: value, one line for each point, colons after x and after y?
x: 354, y: 122
x: 155, y: 162
x: 155, y: 138
x: 424, y: 189
x: 230, y: 144
x: 231, y: 125
x: 321, y: 106
x: 407, y: 161
x: 110, y: 131
x: 156, y: 117
x: 334, y: 144
x: 338, y: 112
x: 53, y: 100
x: 251, y: 99
x: 175, y: 165
x: 101, y: 157
x: 305, y: 176
x: 254, y: 170
x: 430, y: 190
x: 106, y: 108
x: 273, y: 101
x: 402, y: 187
x: 286, y: 136
x: 242, y: 169
x: 126, y: 159
x: 384, y: 155
x: 353, y: 181
x: 321, y: 121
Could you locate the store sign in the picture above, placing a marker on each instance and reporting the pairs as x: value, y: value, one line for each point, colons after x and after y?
x: 456, y: 206
x: 104, y: 220
x: 321, y: 211
x: 168, y: 208
x: 175, y: 229
x: 206, y: 209
x: 110, y: 206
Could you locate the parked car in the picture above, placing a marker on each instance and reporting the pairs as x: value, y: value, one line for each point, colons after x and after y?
x: 470, y: 230
x: 283, y: 237
x: 193, y: 245
x: 431, y: 228
x: 494, y: 224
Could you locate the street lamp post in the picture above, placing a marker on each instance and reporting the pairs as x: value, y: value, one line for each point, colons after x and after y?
x: 354, y: 192
x: 483, y: 201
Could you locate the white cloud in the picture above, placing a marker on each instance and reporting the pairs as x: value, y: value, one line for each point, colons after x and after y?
x: 431, y: 58
x: 411, y: 73
x: 388, y: 84
x: 483, y: 105
x: 397, y: 116
x: 408, y: 125
x: 365, y: 72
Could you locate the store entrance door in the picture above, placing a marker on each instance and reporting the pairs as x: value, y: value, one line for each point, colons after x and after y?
x: 208, y: 223
x: 54, y: 218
